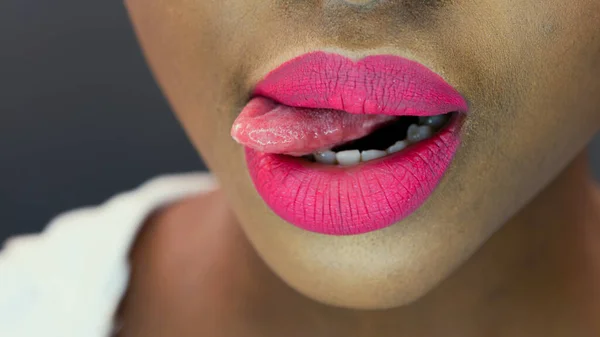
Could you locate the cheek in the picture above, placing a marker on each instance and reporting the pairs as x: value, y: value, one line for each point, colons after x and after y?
x: 195, y: 64
x: 531, y: 72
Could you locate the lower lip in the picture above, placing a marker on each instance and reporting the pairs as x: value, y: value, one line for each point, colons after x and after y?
x: 336, y: 200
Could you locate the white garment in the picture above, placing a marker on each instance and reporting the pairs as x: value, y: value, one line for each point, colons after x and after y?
x: 68, y: 280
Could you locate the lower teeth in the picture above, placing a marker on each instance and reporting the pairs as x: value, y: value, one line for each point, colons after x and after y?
x: 416, y: 132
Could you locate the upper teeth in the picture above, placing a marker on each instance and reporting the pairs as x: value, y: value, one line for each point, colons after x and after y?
x: 433, y: 121
x: 415, y: 133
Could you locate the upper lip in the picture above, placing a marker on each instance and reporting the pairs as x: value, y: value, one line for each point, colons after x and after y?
x: 378, y: 84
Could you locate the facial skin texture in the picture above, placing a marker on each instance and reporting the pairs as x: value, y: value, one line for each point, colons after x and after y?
x: 530, y: 70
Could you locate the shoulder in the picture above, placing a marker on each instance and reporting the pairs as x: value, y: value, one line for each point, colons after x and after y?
x: 191, y: 268
x: 68, y: 280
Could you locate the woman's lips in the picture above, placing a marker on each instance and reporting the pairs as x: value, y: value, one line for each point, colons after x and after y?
x: 320, y: 100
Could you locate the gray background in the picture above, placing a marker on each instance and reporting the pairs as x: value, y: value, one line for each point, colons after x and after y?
x: 80, y: 116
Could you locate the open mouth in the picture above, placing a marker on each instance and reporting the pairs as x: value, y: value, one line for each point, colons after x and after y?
x: 340, y: 147
x: 390, y: 138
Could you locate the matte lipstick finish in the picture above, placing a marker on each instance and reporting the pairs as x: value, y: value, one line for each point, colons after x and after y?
x: 338, y: 200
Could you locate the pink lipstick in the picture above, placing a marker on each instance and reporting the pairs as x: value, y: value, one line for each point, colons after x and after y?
x: 343, y: 147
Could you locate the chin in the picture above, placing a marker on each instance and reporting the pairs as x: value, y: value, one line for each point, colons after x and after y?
x: 376, y: 295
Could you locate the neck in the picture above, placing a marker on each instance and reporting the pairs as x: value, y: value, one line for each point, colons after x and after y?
x: 538, y: 275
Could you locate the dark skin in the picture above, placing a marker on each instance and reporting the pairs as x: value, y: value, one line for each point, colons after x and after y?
x: 506, y: 246
x: 194, y: 278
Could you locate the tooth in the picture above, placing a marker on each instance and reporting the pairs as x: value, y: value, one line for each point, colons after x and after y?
x: 348, y: 157
x: 417, y: 133
x: 433, y: 121
x: 372, y: 154
x: 425, y: 131
x: 325, y: 157
x: 412, y: 135
x: 398, y: 146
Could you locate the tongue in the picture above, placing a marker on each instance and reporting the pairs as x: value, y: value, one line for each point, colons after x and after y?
x: 270, y: 127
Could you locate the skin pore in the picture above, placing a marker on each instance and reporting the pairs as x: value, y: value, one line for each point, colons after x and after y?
x: 506, y: 245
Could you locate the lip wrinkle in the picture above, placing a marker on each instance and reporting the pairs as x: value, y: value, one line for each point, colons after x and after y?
x: 339, y: 203
x: 387, y: 200
x: 348, y: 199
x: 314, y: 200
x: 330, y: 214
x: 362, y: 198
x: 398, y: 181
x: 310, y: 186
x: 371, y: 195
